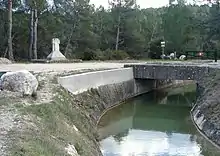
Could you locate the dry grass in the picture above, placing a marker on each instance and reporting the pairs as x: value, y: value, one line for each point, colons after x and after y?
x: 50, y: 123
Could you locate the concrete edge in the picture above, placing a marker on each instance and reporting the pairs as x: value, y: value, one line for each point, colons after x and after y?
x: 79, y: 83
x: 118, y: 104
x: 201, y: 131
x: 95, y: 72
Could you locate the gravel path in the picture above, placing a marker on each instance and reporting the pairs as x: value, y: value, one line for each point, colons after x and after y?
x: 41, y: 67
x: 59, y: 67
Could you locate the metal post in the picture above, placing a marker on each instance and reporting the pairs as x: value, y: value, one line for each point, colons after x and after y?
x: 163, y: 47
x: 216, y: 56
x: 162, y: 50
x: 187, y: 55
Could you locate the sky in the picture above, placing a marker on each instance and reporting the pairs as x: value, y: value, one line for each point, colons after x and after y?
x: 142, y: 3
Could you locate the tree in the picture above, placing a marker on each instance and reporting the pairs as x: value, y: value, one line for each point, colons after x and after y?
x: 118, y: 8
x: 36, y: 7
x: 180, y: 35
x: 31, y: 34
x: 10, y: 49
x: 124, y: 30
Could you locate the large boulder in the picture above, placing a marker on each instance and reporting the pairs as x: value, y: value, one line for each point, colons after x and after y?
x: 19, y: 81
x: 4, y: 61
x: 182, y: 57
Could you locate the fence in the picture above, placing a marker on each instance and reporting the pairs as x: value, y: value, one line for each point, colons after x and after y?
x: 202, y: 55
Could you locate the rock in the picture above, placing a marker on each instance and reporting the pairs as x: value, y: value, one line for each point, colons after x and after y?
x: 162, y: 56
x: 182, y: 57
x: 21, y: 81
x: 4, y: 61
x: 172, y: 55
x: 71, y: 150
x: 0, y: 84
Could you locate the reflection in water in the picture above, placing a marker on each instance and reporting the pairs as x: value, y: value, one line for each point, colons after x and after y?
x: 155, y: 124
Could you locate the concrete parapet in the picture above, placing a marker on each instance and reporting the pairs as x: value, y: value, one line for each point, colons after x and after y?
x: 109, y: 87
x: 169, y: 72
x: 83, y: 82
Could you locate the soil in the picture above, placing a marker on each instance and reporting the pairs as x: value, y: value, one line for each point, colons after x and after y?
x: 45, y: 125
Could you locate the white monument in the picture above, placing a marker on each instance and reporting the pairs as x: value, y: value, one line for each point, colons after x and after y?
x: 56, y: 54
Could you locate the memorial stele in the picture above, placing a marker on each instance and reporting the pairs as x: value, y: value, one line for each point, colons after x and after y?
x: 56, y: 55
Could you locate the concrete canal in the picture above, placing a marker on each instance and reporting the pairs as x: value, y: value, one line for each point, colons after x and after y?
x: 154, y: 124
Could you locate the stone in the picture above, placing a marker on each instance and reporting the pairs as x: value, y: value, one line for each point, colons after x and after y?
x: 20, y: 81
x: 172, y: 55
x: 71, y: 150
x: 56, y: 55
x: 4, y: 61
x: 0, y: 84
x: 182, y: 57
x: 163, y: 56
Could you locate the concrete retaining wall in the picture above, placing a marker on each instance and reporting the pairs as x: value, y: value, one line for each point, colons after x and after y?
x: 82, y: 82
x: 109, y: 87
x: 205, y: 113
x: 105, y: 89
x: 169, y: 72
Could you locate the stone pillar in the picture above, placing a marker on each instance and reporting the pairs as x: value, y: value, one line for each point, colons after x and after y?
x: 55, y: 44
x: 56, y: 54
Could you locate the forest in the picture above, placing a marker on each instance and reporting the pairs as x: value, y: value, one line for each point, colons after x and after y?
x: 122, y: 31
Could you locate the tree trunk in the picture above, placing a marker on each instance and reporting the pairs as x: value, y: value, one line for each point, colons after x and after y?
x: 118, y: 34
x: 35, y: 34
x: 10, y: 50
x: 31, y: 35
x: 69, y: 39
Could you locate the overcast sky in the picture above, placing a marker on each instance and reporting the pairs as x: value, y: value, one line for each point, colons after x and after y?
x: 142, y: 3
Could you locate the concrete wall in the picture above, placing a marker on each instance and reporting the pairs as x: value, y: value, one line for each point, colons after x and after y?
x: 206, y: 112
x: 105, y: 89
x: 169, y: 71
x: 82, y: 82
x: 109, y: 87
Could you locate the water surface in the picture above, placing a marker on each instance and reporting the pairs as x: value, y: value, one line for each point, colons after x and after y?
x: 154, y: 124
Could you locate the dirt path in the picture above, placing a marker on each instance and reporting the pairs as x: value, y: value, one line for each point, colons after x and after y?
x: 59, y: 67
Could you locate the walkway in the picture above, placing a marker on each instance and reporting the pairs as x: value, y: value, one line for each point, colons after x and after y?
x: 59, y: 66
x: 40, y: 67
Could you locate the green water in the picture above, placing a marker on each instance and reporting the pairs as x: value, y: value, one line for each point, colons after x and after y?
x: 154, y: 124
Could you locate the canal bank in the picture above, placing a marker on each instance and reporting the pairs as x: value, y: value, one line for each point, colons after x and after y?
x: 137, y: 128
x: 206, y: 112
x: 58, y: 122
x: 63, y: 118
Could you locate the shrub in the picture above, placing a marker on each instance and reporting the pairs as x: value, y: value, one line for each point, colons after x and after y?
x: 89, y: 54
x: 115, y: 54
x: 104, y: 55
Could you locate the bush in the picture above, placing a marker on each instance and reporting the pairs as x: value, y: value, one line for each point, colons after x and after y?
x: 115, y: 55
x: 119, y: 55
x: 104, y: 55
x: 89, y: 55
x: 155, y: 49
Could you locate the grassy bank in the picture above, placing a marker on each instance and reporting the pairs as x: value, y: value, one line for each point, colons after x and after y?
x: 55, y: 126
x: 56, y: 123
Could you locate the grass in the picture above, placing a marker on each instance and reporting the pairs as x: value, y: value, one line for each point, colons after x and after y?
x: 80, y: 61
x: 50, y: 129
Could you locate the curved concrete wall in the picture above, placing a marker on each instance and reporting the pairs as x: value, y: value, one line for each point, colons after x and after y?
x: 107, y: 88
x: 82, y: 82
x: 115, y: 86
